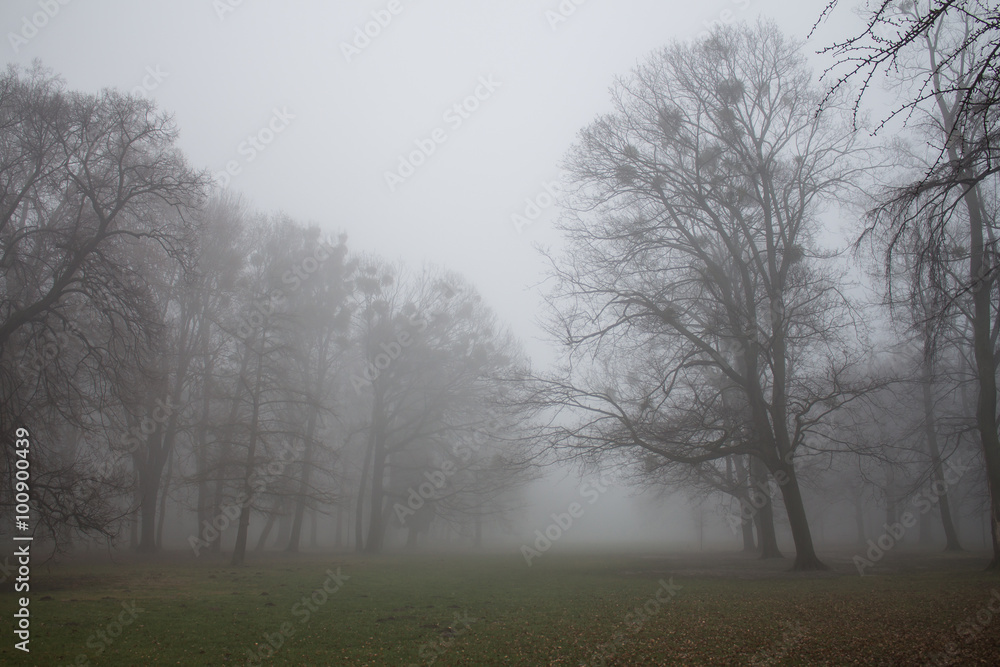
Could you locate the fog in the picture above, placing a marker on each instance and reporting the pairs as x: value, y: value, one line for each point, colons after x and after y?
x: 487, y: 99
x: 522, y: 279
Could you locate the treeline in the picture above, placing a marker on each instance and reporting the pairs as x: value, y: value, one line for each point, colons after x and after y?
x: 175, y: 354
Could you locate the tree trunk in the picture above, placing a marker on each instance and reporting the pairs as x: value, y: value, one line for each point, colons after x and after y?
x: 930, y: 433
x: 150, y: 470
x: 300, y: 504
x: 764, y: 517
x: 262, y: 540
x: 202, y: 446
x: 376, y: 518
x: 359, y: 510
x: 167, y: 478
x: 746, y: 524
x: 981, y: 279
x: 133, y: 530
x: 338, y: 539
x: 891, y: 511
x: 982, y: 330
x: 376, y: 523
x: 749, y: 544
x: 307, y: 454
x: 314, y: 529
x: 859, y: 520
x: 240, y: 548
x: 225, y: 450
x: 284, y: 524
x: 805, y: 554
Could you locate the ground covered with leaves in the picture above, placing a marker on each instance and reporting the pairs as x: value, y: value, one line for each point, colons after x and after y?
x: 593, y: 609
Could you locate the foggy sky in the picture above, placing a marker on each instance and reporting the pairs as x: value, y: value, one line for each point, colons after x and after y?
x: 227, y: 69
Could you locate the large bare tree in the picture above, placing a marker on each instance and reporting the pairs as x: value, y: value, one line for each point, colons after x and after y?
x: 92, y: 188
x: 693, y: 277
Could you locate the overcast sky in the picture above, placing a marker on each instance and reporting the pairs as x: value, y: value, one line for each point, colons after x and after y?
x: 339, y: 117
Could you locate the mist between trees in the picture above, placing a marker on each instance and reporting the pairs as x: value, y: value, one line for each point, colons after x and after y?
x: 200, y: 375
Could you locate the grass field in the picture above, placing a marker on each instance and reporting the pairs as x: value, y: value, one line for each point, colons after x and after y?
x: 694, y: 609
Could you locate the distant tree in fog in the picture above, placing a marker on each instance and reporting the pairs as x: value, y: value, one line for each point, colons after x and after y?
x: 432, y: 362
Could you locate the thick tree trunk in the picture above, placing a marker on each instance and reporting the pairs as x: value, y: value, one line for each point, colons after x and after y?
x: 805, y: 554
x: 749, y: 544
x: 747, y: 510
x: 764, y: 517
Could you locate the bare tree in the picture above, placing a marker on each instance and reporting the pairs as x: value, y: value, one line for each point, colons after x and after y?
x: 943, y: 218
x: 693, y: 267
x: 91, y: 188
x: 431, y: 355
x: 894, y: 28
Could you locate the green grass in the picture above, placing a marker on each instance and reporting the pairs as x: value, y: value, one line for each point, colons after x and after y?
x: 564, y: 610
